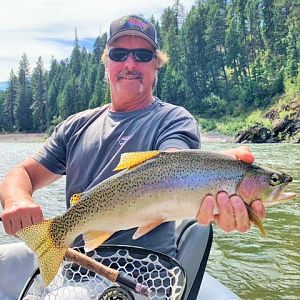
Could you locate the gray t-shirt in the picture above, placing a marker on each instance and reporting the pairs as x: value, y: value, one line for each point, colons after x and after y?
x: 87, y: 146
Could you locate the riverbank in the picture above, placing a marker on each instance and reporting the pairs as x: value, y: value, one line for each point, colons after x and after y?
x: 23, y: 137
x: 41, y: 137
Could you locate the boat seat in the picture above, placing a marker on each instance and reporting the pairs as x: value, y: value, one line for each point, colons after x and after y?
x: 193, y: 248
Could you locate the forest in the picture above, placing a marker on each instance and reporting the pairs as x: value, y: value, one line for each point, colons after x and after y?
x: 226, y: 60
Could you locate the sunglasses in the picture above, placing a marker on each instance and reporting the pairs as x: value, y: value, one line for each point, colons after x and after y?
x: 139, y: 55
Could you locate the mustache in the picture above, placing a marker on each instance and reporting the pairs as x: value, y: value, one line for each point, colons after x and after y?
x: 125, y: 73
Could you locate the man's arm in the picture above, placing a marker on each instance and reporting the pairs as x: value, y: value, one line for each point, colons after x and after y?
x: 19, y: 208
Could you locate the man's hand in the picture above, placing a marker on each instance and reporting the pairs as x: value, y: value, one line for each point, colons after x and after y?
x: 233, y: 213
x: 21, y: 214
x: 241, y: 153
x: 19, y: 209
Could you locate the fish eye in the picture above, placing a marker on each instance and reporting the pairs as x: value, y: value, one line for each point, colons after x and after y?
x: 275, y: 179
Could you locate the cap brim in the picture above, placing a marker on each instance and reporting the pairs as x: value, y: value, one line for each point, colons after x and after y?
x: 131, y: 32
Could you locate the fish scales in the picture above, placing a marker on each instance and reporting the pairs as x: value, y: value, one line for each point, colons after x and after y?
x: 153, y: 187
x: 155, y: 181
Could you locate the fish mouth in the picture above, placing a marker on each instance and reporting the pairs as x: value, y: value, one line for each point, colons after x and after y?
x: 283, y: 197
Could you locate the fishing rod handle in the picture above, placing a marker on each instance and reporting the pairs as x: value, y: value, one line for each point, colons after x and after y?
x: 91, y: 264
x: 109, y: 273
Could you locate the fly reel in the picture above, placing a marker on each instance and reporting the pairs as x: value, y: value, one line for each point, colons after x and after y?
x: 116, y: 293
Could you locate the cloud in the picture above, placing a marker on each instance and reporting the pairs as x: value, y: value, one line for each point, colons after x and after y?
x: 46, y: 27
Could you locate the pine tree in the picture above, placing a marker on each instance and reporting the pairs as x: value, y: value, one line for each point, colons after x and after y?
x: 53, y: 84
x: 2, y: 115
x: 10, y: 100
x: 196, y: 72
x: 255, y: 41
x: 24, y: 99
x: 99, y: 47
x: 67, y: 99
x: 99, y: 93
x: 215, y: 44
x: 172, y: 84
x: 39, y: 97
x: 293, y: 56
x: 75, y: 60
x: 232, y: 43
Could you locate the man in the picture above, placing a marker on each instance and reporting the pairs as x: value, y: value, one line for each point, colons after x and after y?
x: 87, y: 146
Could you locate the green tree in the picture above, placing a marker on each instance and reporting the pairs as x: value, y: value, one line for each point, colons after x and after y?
x: 53, y: 85
x: 10, y: 101
x: 24, y: 98
x: 172, y: 85
x: 195, y: 69
x: 268, y: 23
x: 39, y: 92
x: 254, y: 37
x: 233, y: 46
x: 75, y: 60
x: 99, y: 47
x: 2, y: 114
x: 67, y: 99
x: 293, y: 57
x: 99, y: 93
x: 215, y: 45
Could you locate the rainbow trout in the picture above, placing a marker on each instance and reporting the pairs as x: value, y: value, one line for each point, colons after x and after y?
x: 152, y: 187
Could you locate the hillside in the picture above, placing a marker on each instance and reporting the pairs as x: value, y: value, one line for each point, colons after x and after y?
x: 278, y: 123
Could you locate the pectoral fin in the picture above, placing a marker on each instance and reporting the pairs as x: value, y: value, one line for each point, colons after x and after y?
x: 256, y: 220
x: 142, y: 230
x: 132, y: 159
x: 94, y: 238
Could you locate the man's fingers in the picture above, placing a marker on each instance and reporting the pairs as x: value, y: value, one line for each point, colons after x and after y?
x: 7, y: 225
x: 205, y: 213
x: 226, y: 217
x: 245, y: 156
x: 240, y: 214
x: 26, y: 221
x: 37, y: 218
x: 16, y: 226
x: 242, y: 153
x: 15, y: 220
x: 259, y: 208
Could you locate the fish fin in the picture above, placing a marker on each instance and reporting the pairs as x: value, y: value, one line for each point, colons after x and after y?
x: 132, y: 159
x: 50, y: 256
x: 75, y: 199
x: 94, y: 238
x: 142, y: 230
x: 256, y: 220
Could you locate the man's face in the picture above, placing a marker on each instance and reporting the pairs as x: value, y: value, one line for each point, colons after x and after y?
x: 131, y: 79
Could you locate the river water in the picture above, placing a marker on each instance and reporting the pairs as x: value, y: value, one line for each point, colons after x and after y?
x: 252, y: 266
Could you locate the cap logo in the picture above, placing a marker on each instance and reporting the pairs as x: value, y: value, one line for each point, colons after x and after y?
x: 135, y: 23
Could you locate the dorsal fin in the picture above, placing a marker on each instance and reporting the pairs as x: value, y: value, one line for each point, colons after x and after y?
x: 132, y: 159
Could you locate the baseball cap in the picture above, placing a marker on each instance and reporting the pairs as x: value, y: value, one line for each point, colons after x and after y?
x: 132, y: 25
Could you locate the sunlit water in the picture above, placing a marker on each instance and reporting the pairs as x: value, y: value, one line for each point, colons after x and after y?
x: 252, y: 266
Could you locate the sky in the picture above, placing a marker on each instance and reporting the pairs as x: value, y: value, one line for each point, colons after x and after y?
x: 46, y: 27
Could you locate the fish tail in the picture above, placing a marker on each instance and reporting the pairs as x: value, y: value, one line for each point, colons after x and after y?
x: 50, y: 255
x: 256, y: 220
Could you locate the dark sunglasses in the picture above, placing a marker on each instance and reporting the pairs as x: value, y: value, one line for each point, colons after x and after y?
x: 140, y: 55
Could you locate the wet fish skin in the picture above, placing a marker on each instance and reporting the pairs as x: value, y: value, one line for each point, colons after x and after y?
x: 154, y: 187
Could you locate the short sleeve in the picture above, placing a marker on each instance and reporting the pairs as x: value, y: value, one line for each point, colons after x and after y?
x: 180, y: 130
x: 52, y: 155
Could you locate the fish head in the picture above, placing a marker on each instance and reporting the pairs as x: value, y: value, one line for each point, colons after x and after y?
x: 265, y: 184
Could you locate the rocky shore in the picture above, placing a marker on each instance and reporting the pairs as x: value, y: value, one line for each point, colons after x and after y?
x: 285, y: 120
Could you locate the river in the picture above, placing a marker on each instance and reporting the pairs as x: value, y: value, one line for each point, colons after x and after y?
x: 252, y: 266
